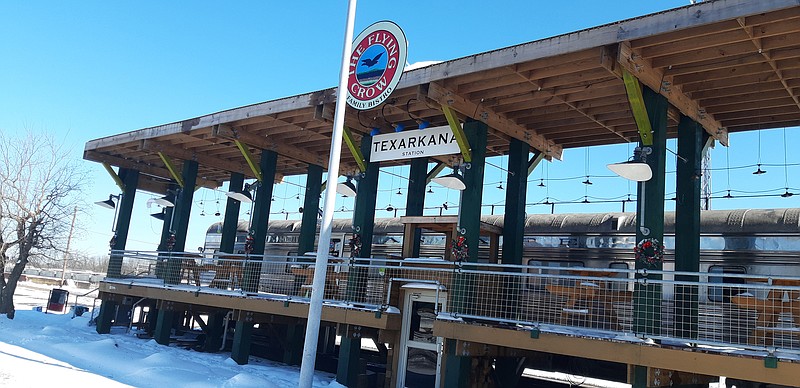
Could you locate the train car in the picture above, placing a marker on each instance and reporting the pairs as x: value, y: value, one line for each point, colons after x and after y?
x: 744, y: 241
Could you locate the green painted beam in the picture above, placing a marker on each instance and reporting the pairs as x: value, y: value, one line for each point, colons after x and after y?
x: 534, y: 161
x: 434, y: 172
x: 364, y: 220
x: 260, y: 218
x: 214, y: 331
x: 349, y: 365
x: 634, y: 90
x: 231, y: 221
x: 180, y: 219
x: 173, y: 170
x: 415, y: 198
x: 250, y: 159
x: 130, y: 179
x: 106, y: 315
x: 242, y: 340
x: 308, y: 227
x: 114, y: 176
x: 691, y: 141
x: 358, y: 155
x: 164, y: 323
x: 458, y: 132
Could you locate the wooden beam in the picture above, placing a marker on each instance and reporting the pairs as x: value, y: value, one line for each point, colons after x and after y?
x: 262, y: 142
x: 638, y: 108
x: 458, y: 133
x: 534, y: 161
x: 355, y: 150
x: 114, y: 176
x: 443, y: 96
x: 156, y: 146
x: 766, y: 54
x: 652, y: 77
x: 142, y: 167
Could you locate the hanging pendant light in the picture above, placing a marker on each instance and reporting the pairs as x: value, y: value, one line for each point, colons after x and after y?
x: 453, y: 180
x: 347, y: 188
x: 635, y: 169
x: 109, y: 203
x: 430, y: 191
x: 759, y: 171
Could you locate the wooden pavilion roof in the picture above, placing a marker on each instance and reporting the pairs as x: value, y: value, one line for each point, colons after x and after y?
x: 731, y: 65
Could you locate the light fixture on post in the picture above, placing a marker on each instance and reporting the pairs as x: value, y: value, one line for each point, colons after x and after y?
x: 166, y: 201
x: 243, y: 196
x: 453, y: 180
x: 635, y: 169
x: 161, y: 215
x: 109, y: 203
x: 348, y: 189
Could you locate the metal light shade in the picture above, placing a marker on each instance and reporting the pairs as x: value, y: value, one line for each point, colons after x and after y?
x: 241, y: 196
x: 347, y: 189
x: 164, y: 201
x: 159, y: 216
x: 108, y: 204
x: 451, y: 181
x: 632, y: 170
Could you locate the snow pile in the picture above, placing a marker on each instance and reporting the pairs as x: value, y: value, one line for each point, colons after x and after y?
x: 38, y: 349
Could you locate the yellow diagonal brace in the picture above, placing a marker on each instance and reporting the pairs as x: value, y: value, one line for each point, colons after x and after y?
x: 323, y: 186
x: 354, y: 149
x: 114, y: 176
x: 248, y: 157
x: 434, y: 172
x: 172, y: 169
x: 458, y: 132
x: 638, y: 108
x: 534, y: 161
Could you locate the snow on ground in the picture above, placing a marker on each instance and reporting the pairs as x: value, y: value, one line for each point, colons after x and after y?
x: 38, y: 349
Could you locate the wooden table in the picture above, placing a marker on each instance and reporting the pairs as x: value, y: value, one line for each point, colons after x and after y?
x: 305, y: 276
x: 769, y: 309
x: 593, y: 299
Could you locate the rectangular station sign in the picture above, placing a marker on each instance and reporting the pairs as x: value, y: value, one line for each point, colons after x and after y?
x: 420, y: 143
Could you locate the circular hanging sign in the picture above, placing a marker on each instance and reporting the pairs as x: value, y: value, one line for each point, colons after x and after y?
x: 376, y: 64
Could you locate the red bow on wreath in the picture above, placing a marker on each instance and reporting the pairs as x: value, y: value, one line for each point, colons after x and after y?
x: 171, y: 241
x: 248, y: 244
x: 460, y: 248
x: 355, y: 245
x: 649, y: 251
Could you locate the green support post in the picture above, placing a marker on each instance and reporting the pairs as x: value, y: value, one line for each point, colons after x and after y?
x: 691, y: 139
x: 242, y: 339
x: 295, y: 335
x: 364, y: 220
x: 215, y: 328
x: 231, y: 221
x: 457, y: 368
x: 263, y: 202
x: 131, y: 179
x: 647, y: 297
x: 514, y: 221
x: 308, y: 227
x: 415, y: 200
x: 349, y: 366
x: 180, y: 220
x: 161, y: 264
x: 106, y: 315
x: 164, y: 323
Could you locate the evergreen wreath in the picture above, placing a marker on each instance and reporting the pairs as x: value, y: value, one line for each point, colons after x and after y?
x: 649, y: 251
x: 460, y: 248
x: 248, y: 243
x: 171, y: 241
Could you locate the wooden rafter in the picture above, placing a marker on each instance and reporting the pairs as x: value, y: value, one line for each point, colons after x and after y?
x: 155, y: 146
x: 766, y: 54
x: 142, y: 167
x: 653, y: 78
x: 443, y: 96
x: 262, y: 142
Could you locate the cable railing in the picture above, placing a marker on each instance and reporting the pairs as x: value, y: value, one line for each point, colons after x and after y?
x: 751, y: 312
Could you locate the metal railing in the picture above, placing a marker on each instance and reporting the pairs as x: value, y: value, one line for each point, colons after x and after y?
x: 748, y: 312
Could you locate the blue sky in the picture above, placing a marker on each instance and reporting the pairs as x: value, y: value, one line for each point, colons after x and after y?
x: 84, y: 70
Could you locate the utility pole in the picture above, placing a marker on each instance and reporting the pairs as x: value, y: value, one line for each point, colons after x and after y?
x: 69, y: 240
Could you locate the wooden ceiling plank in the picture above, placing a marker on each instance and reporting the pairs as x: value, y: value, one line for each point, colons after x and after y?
x: 779, y: 110
x: 665, y: 38
x: 710, y: 53
x: 652, y: 77
x: 155, y: 146
x: 731, y: 72
x: 262, y: 142
x: 752, y: 105
x: 142, y: 167
x: 743, y: 98
x: 766, y: 120
x: 694, y: 43
x: 443, y: 96
x: 758, y: 43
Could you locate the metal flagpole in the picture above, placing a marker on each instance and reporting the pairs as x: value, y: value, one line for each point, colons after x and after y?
x: 318, y: 286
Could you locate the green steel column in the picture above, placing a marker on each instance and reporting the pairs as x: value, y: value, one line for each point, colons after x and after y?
x: 469, y: 210
x: 349, y: 366
x: 131, y: 179
x: 161, y: 265
x: 180, y: 220
x: 242, y: 338
x: 647, y: 297
x: 106, y: 315
x: 214, y: 331
x: 514, y: 220
x: 415, y: 200
x: 456, y: 368
x: 691, y: 140
x: 164, y: 323
x: 295, y: 335
x: 363, y: 220
x: 263, y: 203
x: 231, y: 221
x: 308, y: 228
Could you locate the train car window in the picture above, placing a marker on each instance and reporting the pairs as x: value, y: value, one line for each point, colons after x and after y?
x: 724, y: 293
x: 554, y: 268
x: 618, y: 285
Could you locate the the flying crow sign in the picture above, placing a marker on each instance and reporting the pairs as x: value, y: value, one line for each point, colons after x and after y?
x: 376, y: 64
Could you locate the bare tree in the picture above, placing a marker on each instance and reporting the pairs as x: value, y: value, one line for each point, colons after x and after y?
x: 39, y: 187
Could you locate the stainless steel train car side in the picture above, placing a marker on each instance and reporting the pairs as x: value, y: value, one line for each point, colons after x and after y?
x: 745, y: 241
